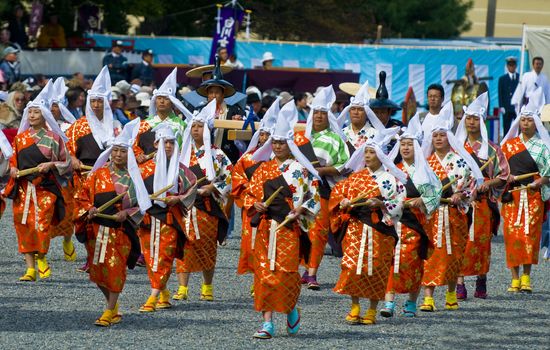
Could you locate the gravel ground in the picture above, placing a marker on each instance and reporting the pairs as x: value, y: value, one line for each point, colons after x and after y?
x: 59, y: 312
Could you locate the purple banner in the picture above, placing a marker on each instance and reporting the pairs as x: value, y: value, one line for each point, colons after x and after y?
x: 88, y: 18
x: 36, y: 17
x: 227, y: 24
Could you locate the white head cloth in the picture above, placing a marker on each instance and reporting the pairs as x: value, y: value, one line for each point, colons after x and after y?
x: 5, y: 146
x: 42, y: 101
x: 168, y: 89
x: 477, y: 108
x: 323, y: 101
x: 445, y: 123
x: 361, y: 100
x: 166, y: 172
x: 356, y: 162
x: 102, y: 130
x: 422, y: 173
x: 58, y: 96
x: 532, y: 110
x: 284, y: 131
x: 267, y: 124
x: 206, y: 117
x: 126, y: 139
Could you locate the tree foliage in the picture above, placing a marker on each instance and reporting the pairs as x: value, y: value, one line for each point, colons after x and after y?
x: 321, y: 20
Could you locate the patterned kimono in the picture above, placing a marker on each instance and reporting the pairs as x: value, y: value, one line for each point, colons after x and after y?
x: 111, y: 246
x: 485, y: 212
x: 162, y: 231
x: 330, y: 150
x: 38, y: 203
x: 146, y: 137
x: 83, y: 147
x: 369, y: 236
x: 240, y: 178
x: 448, y: 226
x: 414, y: 244
x: 277, y: 252
x: 359, y: 138
x: 206, y: 223
x: 522, y: 240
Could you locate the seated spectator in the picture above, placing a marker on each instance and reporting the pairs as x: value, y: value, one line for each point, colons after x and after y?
x: 267, y: 60
x: 10, y: 65
x: 301, y: 105
x: 12, y: 110
x: 76, y: 97
x: 144, y: 70
x: 234, y: 62
x: 117, y: 106
x: 253, y: 98
x: 52, y: 34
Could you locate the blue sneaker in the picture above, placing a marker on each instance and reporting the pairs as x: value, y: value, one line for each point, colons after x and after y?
x: 293, y: 321
x: 266, y: 332
x: 387, y: 310
x: 409, y: 309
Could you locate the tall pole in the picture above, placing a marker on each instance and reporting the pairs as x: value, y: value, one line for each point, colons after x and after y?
x: 491, y: 14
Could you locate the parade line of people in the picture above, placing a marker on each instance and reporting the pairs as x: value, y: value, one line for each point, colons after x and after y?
x: 406, y: 206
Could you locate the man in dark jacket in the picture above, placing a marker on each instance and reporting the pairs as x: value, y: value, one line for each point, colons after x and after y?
x: 506, y: 86
x: 116, y: 63
x: 10, y: 66
x: 144, y: 70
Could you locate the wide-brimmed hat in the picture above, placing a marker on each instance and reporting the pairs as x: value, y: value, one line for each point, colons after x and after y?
x: 267, y: 56
x: 352, y: 89
x: 545, y: 113
x: 198, y: 72
x: 382, y: 99
x: 217, y: 80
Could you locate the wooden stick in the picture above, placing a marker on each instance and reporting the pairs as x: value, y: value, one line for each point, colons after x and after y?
x: 200, y: 180
x: 521, y: 188
x: 285, y: 221
x: 86, y: 167
x: 361, y: 196
x: 161, y: 191
x: 106, y: 216
x: 272, y: 197
x: 445, y: 201
x: 150, y: 155
x: 525, y: 176
x: 449, y: 184
x: 111, y: 202
x: 490, y: 160
x: 85, y: 173
x: 26, y: 172
x: 315, y: 162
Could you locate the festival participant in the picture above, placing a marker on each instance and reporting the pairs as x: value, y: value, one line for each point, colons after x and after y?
x: 93, y: 133
x: 207, y: 222
x: 472, y: 132
x: 527, y: 149
x: 161, y: 110
x: 423, y: 194
x: 110, y: 238
x: 363, y: 121
x: 39, y: 145
x: 64, y: 119
x: 448, y: 227
x: 363, y: 210
x: 162, y: 232
x: 289, y: 176
x: 6, y: 151
x: 240, y: 178
x: 435, y: 96
x: 327, y: 139
x: 383, y: 107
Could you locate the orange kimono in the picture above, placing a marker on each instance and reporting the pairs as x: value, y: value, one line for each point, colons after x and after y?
x: 37, y: 198
x: 240, y: 178
x: 485, y: 213
x: 522, y: 240
x: 206, y: 224
x: 448, y: 226
x: 277, y: 251
x: 161, y: 232
x: 368, y: 236
x: 111, y: 246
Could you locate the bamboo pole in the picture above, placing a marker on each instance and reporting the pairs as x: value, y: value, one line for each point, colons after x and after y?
x: 111, y: 202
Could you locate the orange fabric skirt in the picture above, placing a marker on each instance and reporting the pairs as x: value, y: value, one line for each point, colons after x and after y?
x: 166, y: 256
x: 276, y: 290
x: 318, y: 235
x: 34, y: 235
x: 443, y: 266
x: 66, y: 226
x: 411, y: 266
x: 200, y: 250
x: 523, y: 248
x: 477, y: 255
x: 363, y: 285
x: 111, y: 273
x: 246, y: 257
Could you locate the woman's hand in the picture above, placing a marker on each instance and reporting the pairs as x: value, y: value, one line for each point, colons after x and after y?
x: 121, y: 216
x: 75, y: 163
x: 206, y: 190
x: 13, y: 172
x: 140, y: 158
x: 172, y: 200
x: 375, y: 203
x: 92, y: 212
x: 456, y: 198
x: 45, y: 167
x: 295, y: 213
x: 345, y: 203
x: 414, y: 203
x: 260, y: 207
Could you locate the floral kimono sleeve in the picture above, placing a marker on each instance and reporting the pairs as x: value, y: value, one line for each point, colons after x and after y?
x: 394, y: 194
x: 431, y: 195
x: 311, y: 200
x: 222, y: 167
